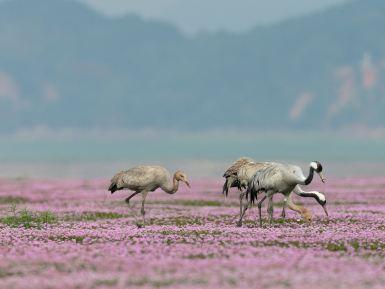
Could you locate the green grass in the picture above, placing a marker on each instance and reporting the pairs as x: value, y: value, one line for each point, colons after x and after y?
x: 12, y: 200
x: 190, y: 203
x: 330, y: 246
x: 276, y: 222
x: 199, y: 203
x: 335, y: 247
x: 196, y: 233
x: 159, y: 283
x: 105, y: 283
x: 176, y: 221
x: 182, y: 221
x: 77, y: 239
x: 348, y: 203
x: 28, y: 219
x: 4, y: 273
x: 93, y: 216
x: 200, y: 256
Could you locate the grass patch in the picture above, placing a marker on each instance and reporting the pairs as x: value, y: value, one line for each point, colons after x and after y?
x: 105, y: 283
x: 182, y: 221
x: 330, y: 246
x: 197, y: 233
x: 276, y: 222
x: 190, y: 203
x: 93, y: 216
x: 281, y: 221
x: 200, y: 256
x: 76, y: 239
x: 176, y: 221
x: 364, y: 212
x: 335, y: 247
x: 348, y: 203
x: 187, y: 237
x: 375, y: 246
x: 279, y: 204
x: 28, y: 219
x: 5, y: 273
x: 12, y: 200
x: 158, y: 283
x: 198, y: 203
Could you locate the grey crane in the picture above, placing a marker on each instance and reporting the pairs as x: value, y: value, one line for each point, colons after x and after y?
x: 241, y: 172
x: 275, y: 178
x: 144, y: 179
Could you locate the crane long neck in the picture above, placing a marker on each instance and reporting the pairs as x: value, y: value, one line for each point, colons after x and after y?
x: 309, y: 177
x: 305, y: 213
x: 298, y: 191
x: 319, y: 197
x: 295, y: 207
x: 171, y: 187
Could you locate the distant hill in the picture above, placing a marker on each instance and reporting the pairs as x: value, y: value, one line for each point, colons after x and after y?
x: 63, y: 65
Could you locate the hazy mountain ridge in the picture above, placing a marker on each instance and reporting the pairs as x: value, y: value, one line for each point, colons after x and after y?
x: 64, y: 65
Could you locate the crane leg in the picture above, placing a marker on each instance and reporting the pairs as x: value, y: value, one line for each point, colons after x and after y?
x: 241, y: 196
x: 130, y: 197
x: 283, y: 215
x: 260, y: 210
x: 144, y: 196
x: 270, y: 209
x: 239, y: 224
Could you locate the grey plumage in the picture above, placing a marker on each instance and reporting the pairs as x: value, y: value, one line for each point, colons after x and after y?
x: 239, y: 175
x: 275, y: 178
x: 144, y: 179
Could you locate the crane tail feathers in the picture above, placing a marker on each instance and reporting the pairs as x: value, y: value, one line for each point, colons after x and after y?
x: 253, y: 196
x: 252, y: 191
x: 113, y: 188
x: 225, y: 189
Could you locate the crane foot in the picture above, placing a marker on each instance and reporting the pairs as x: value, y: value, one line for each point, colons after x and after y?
x: 139, y: 225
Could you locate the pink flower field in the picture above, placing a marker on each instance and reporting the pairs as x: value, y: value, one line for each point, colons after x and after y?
x: 74, y: 234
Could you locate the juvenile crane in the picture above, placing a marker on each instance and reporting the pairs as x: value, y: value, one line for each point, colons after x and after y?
x: 145, y: 179
x: 282, y: 178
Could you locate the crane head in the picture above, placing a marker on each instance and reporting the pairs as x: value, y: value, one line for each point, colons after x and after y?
x: 307, y: 215
x: 318, y: 169
x: 182, y: 177
x: 321, y: 199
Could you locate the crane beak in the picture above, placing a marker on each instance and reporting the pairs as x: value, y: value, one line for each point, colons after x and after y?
x: 326, y: 211
x: 188, y: 184
x: 322, y: 177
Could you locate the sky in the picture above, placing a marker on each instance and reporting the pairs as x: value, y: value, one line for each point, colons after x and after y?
x: 192, y: 16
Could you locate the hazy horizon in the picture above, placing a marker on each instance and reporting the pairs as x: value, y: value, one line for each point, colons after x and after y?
x: 134, y: 74
x: 78, y: 88
x: 76, y: 154
x: 196, y: 16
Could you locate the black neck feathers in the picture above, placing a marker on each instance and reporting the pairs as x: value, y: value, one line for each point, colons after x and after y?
x: 310, y: 176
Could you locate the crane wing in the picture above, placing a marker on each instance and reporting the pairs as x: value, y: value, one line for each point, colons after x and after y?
x: 234, y: 168
x: 140, y: 177
x: 262, y: 179
x: 137, y: 177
